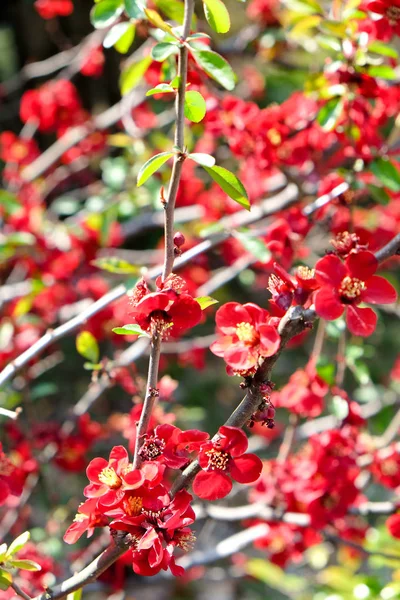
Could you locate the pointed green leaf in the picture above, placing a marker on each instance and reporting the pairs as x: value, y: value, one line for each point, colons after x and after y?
x: 5, y: 579
x: 18, y: 543
x: 172, y: 9
x: 156, y: 20
x: 131, y: 329
x: 126, y: 40
x: 330, y: 113
x: 27, y: 565
x: 105, y: 13
x: 387, y: 173
x: 254, y: 245
x: 131, y: 76
x: 87, y: 346
x: 152, y: 165
x: 77, y: 595
x: 217, y: 15
x: 162, y: 50
x: 205, y: 160
x: 382, y: 71
x: 114, y: 264
x: 121, y: 36
x: 195, y: 106
x: 383, y: 49
x: 230, y: 184
x: 216, y: 67
x: 206, y: 301
x: 134, y: 9
x: 161, y: 88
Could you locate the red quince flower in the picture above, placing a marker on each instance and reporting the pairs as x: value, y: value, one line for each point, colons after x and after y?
x: 386, y: 466
x: 393, y: 525
x: 247, y: 336
x: 48, y: 9
x: 172, y: 446
x: 390, y: 11
x: 222, y: 457
x: 345, y: 285
x: 108, y: 478
x: 10, y: 480
x: 304, y: 394
x: 87, y: 518
x: 168, y: 311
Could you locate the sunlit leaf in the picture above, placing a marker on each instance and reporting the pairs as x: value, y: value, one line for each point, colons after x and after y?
x: 133, y: 74
x: 216, y: 67
x: 387, y: 173
x: 105, y: 13
x: 114, y: 264
x: 217, y: 15
x: 230, y: 184
x: 152, y: 165
x: 18, y: 543
x: 206, y: 301
x: 205, y: 160
x: 86, y: 345
x: 130, y: 329
x: 162, y: 50
x: 195, y: 106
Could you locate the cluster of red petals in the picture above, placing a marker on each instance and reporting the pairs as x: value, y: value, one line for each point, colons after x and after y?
x: 390, y: 19
x: 136, y: 501
x: 304, y: 394
x: 93, y: 62
x: 48, y: 9
x: 248, y: 334
x: 17, y: 150
x: 318, y: 481
x: 168, y: 311
x: 344, y: 285
x: 10, y: 482
x: 386, y: 466
x: 223, y: 459
x: 53, y: 105
x: 289, y: 289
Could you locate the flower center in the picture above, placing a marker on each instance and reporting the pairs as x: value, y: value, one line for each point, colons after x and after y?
x: 389, y: 467
x: 133, y: 506
x: 393, y: 14
x: 79, y: 517
x: 274, y: 137
x: 217, y: 460
x: 110, y: 478
x: 20, y: 151
x: 152, y: 448
x: 246, y: 333
x: 350, y: 289
x: 185, y: 541
x: 305, y: 273
x: 160, y: 323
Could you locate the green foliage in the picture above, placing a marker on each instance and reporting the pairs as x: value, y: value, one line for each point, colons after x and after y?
x: 195, y: 106
x: 152, y: 165
x: 387, y: 173
x: 114, y: 264
x: 217, y: 15
x: 106, y: 12
x: 254, y: 245
x: 230, y: 184
x: 206, y: 301
x: 86, y: 345
x: 130, y: 329
x: 133, y: 74
x: 215, y: 66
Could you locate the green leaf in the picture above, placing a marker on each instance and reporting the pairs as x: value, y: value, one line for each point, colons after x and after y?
x: 173, y: 9
x: 378, y: 194
x: 77, y: 595
x: 131, y: 76
x: 88, y: 366
x: 326, y: 371
x: 387, y: 173
x: 9, y: 201
x: 132, y: 329
x: 157, y: 21
x: 217, y: 15
x: 114, y: 264
x: 122, y: 34
x: 5, y: 579
x: 162, y: 50
x: 134, y: 10
x: 382, y: 71
x: 87, y: 346
x: 206, y: 301
x: 195, y: 106
x: 152, y: 165
x: 216, y: 67
x: 126, y: 40
x: 161, y: 88
x: 105, y: 13
x: 254, y: 245
x: 330, y: 113
x: 18, y: 543
x: 205, y: 160
x: 27, y: 565
x: 231, y: 185
x: 383, y: 49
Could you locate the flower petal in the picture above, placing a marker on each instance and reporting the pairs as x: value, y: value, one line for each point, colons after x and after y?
x: 229, y: 316
x: 270, y: 339
x: 94, y: 469
x: 234, y: 440
x: 330, y: 270
x: 362, y: 264
x: 379, y: 291
x: 361, y: 321
x: 211, y: 485
x: 327, y: 304
x: 246, y: 468
x: 185, y: 313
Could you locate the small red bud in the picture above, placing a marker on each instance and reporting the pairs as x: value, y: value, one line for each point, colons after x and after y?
x: 179, y: 239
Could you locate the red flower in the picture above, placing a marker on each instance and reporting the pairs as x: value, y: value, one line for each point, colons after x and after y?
x: 48, y: 9
x: 304, y: 394
x: 386, y: 466
x: 390, y: 11
x: 345, y: 285
x: 10, y: 482
x: 53, y: 105
x: 108, y: 477
x: 17, y: 150
x: 393, y: 525
x: 87, y: 518
x: 168, y: 311
x: 93, y: 63
x: 171, y: 446
x: 218, y: 458
x: 248, y: 336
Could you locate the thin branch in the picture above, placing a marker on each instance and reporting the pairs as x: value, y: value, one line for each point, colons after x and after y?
x: 19, y: 592
x: 391, y: 249
x: 10, y: 414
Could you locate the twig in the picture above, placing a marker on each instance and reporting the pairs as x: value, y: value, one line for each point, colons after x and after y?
x: 19, y: 592
x: 392, y: 248
x: 10, y: 414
